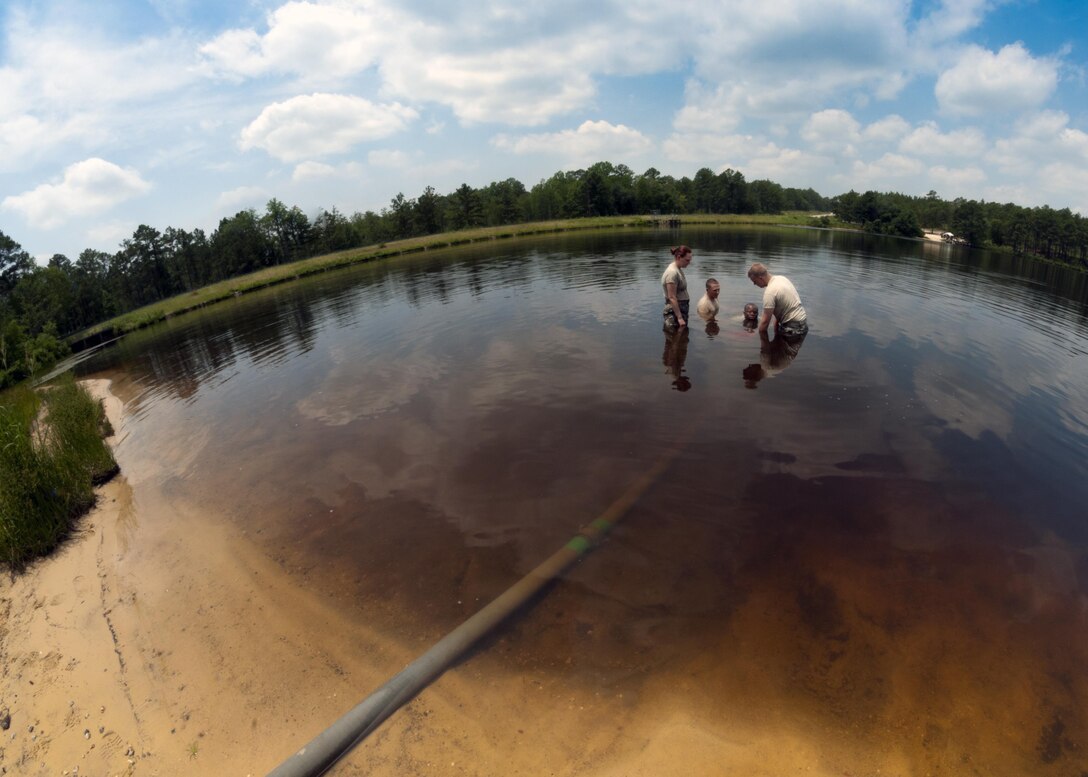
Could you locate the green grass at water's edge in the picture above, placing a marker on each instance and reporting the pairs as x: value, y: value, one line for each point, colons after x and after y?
x: 52, y: 453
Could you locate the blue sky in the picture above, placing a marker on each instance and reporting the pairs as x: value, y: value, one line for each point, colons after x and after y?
x: 181, y: 112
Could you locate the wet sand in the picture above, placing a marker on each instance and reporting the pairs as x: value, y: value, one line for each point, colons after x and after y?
x: 907, y: 645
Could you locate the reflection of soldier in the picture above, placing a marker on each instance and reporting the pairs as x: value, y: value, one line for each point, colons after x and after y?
x: 676, y: 351
x: 774, y: 356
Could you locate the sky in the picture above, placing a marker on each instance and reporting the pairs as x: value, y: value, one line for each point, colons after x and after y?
x: 178, y: 113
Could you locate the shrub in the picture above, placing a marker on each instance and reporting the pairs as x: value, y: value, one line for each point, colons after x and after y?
x: 51, y: 455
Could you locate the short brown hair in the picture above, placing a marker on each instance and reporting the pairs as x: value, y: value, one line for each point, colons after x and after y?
x: 757, y: 270
x: 680, y: 251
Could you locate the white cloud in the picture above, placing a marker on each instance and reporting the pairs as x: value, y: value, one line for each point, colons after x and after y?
x: 388, y: 158
x: 524, y: 64
x: 524, y: 86
x: 832, y: 130
x: 928, y: 140
x: 728, y: 150
x: 63, y: 84
x: 754, y: 156
x: 1067, y: 184
x: 444, y: 167
x: 1010, y: 192
x: 957, y: 182
x: 88, y: 188
x: 241, y: 198
x: 889, y: 171
x: 319, y: 41
x: 842, y: 41
x: 591, y: 141
x: 311, y: 171
x: 69, y: 68
x: 1043, y: 126
x: 486, y: 61
x: 983, y: 83
x: 317, y: 125
x: 24, y: 138
x: 1043, y: 161
x: 110, y: 233
x: 953, y: 18
x: 886, y: 130
x: 1038, y: 140
x: 789, y: 167
x: 709, y: 109
x: 788, y: 58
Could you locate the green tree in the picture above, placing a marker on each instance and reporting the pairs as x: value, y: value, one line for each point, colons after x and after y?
x: 766, y: 197
x: 188, y: 258
x: 969, y: 222
x: 42, y: 297
x: 370, y: 228
x: 14, y: 263
x: 288, y: 229
x: 90, y: 278
x: 402, y: 215
x: 12, y: 337
x: 731, y: 193
x: 240, y: 245
x: 465, y: 208
x: 504, y: 202
x: 333, y: 231
x: 705, y: 188
x: 428, y: 213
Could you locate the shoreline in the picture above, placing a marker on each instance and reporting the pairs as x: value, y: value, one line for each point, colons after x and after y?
x: 139, y: 646
x: 163, y: 641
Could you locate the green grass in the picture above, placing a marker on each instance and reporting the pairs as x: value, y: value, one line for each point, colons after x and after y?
x: 52, y: 452
x: 270, y: 276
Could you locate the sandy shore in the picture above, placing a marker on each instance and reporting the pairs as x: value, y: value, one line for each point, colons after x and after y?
x: 175, y: 647
x: 162, y: 641
x: 185, y: 652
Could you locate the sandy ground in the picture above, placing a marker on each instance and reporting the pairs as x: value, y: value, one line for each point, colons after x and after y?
x: 175, y: 646
x: 147, y: 658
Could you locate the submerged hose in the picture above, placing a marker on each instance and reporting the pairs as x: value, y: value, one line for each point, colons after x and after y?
x: 337, y: 740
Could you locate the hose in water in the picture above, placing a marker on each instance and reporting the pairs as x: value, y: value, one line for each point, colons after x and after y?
x: 337, y: 740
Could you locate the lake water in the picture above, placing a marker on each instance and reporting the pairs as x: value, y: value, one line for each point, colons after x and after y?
x: 879, y: 539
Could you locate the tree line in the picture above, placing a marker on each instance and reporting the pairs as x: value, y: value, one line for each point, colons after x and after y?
x: 39, y: 305
x: 1057, y: 235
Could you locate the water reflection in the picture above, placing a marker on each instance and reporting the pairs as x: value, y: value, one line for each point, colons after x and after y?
x: 898, y: 556
x: 774, y: 356
x: 675, y: 354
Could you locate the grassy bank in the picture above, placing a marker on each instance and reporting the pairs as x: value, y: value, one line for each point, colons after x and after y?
x: 271, y: 276
x: 52, y: 453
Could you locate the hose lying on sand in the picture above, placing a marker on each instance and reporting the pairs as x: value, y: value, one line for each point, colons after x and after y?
x: 329, y: 746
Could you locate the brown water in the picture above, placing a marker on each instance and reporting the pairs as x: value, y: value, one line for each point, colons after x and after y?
x: 871, y: 555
